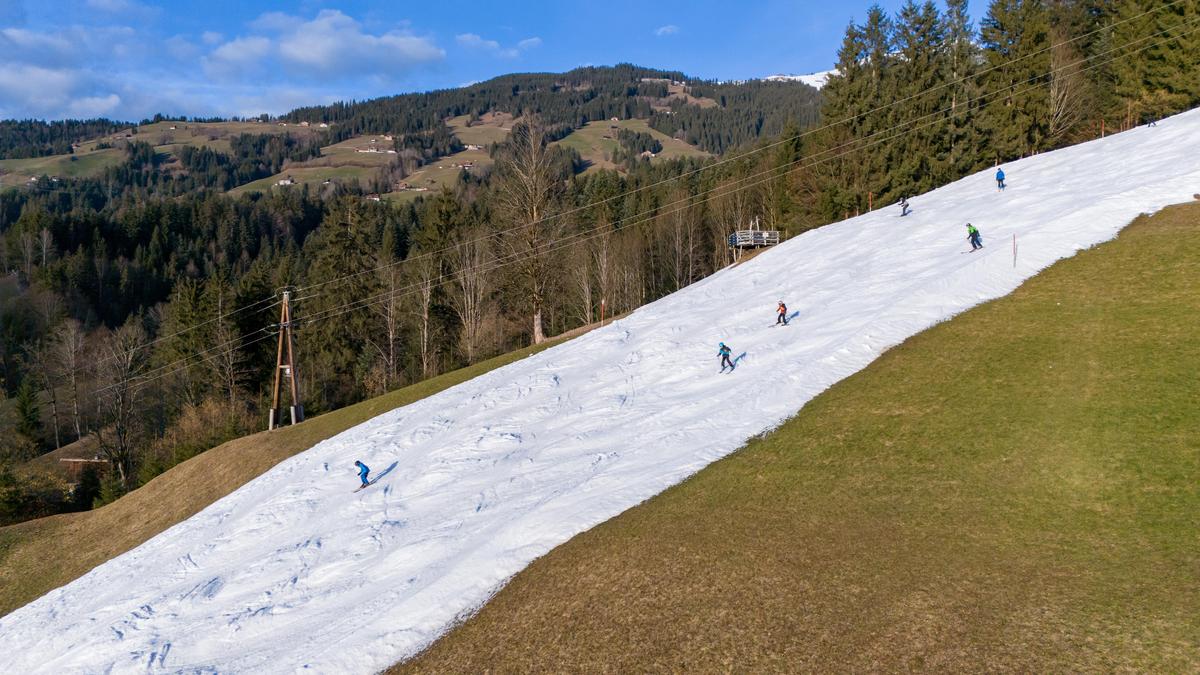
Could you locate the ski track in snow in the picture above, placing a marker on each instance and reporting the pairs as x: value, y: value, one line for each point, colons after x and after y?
x: 294, y: 572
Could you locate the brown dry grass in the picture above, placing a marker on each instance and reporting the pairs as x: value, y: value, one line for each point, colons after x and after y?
x: 40, y: 555
x: 1017, y: 489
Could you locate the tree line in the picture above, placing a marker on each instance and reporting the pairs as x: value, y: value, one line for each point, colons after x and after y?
x: 21, y: 139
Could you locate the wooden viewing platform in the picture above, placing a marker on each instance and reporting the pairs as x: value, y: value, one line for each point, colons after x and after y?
x: 753, y: 237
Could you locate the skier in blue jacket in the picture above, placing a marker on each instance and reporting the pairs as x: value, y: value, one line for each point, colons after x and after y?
x: 724, y: 353
x: 363, y: 470
x: 999, y: 179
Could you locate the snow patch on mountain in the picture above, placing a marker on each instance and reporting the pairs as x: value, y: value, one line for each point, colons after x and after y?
x: 815, y: 80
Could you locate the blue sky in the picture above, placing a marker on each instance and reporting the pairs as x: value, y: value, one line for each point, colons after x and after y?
x: 128, y: 59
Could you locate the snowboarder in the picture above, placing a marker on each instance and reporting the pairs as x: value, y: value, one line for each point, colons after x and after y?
x: 974, y: 237
x: 724, y: 353
x: 999, y: 179
x: 782, y: 311
x: 363, y: 470
x: 903, y: 204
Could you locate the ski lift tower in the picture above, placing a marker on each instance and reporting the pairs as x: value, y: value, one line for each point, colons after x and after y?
x: 752, y: 238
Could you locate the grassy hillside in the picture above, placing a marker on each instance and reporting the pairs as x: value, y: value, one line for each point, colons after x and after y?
x: 87, y: 161
x: 338, y: 162
x: 16, y: 172
x: 596, y: 142
x: 40, y: 555
x: 491, y: 128
x: 1016, y: 489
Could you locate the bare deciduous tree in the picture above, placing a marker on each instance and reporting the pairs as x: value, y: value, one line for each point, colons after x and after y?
x: 227, y: 359
x: 1067, y: 90
x: 68, y: 351
x: 123, y: 359
x: 425, y: 271
x: 28, y: 248
x: 601, y: 251
x: 527, y: 192
x: 681, y: 240
x: 388, y: 310
x: 470, y: 260
x: 45, y: 245
x: 42, y: 362
x: 581, y: 275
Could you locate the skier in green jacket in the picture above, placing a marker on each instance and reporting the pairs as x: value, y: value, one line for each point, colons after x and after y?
x: 974, y: 237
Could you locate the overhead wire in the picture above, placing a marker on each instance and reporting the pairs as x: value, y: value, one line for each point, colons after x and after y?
x: 577, y: 238
x: 770, y: 174
x: 764, y: 148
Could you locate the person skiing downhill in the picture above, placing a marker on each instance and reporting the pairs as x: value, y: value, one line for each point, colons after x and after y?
x: 782, y: 311
x: 903, y: 204
x: 724, y: 353
x: 999, y: 179
x: 974, y: 237
x: 363, y: 470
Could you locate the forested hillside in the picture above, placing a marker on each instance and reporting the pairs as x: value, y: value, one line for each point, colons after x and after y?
x: 742, y: 113
x: 139, y: 303
x: 21, y: 139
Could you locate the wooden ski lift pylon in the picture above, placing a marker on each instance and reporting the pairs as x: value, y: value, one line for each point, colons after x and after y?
x: 285, y: 365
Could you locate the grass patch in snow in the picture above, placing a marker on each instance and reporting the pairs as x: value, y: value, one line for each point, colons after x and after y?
x: 1016, y: 489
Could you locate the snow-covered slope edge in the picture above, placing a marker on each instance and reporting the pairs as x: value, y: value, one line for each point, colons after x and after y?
x: 294, y: 571
x: 814, y: 80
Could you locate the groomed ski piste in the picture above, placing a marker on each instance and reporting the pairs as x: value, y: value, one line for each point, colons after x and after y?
x: 293, y: 571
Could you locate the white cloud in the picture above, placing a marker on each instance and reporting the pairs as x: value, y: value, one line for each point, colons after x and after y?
x: 32, y: 45
x: 93, y: 106
x: 332, y: 43
x: 283, y: 61
x: 74, y: 45
x: 276, y: 21
x: 474, y: 41
x: 181, y: 48
x: 237, y: 57
x: 34, y: 88
x: 669, y: 29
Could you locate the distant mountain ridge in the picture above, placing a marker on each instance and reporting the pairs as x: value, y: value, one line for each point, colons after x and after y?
x: 814, y: 80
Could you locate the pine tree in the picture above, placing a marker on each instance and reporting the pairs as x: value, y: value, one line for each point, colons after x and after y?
x: 837, y: 172
x: 1014, y: 114
x: 1157, y: 50
x: 29, y: 417
x: 917, y: 161
x: 335, y: 348
x: 961, y: 66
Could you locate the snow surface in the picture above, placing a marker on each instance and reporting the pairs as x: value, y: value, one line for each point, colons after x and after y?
x: 295, y: 572
x: 814, y: 80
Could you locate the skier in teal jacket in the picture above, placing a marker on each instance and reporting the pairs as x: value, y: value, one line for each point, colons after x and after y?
x: 724, y: 353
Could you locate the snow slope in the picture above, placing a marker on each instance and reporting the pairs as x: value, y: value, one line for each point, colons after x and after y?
x: 814, y: 80
x: 293, y: 571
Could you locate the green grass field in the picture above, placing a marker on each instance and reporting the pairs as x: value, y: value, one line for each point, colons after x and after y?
x: 16, y: 172
x: 596, y: 142
x: 440, y: 173
x: 312, y: 176
x: 1017, y: 489
x: 492, y: 128
x: 88, y: 161
x: 39, y: 555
